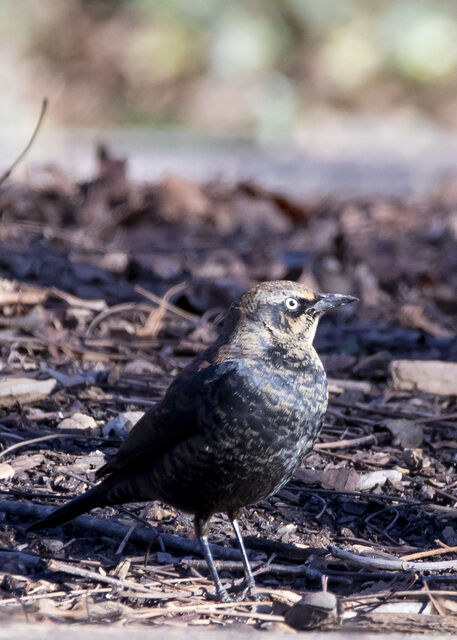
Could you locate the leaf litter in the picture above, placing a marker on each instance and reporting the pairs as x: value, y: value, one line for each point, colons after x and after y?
x: 108, y: 288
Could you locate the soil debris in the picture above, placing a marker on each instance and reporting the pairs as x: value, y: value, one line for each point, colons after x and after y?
x: 108, y: 288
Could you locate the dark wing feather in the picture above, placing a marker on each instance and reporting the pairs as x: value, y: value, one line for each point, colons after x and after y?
x: 176, y: 418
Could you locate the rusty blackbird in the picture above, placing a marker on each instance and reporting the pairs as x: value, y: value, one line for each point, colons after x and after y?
x: 235, y: 423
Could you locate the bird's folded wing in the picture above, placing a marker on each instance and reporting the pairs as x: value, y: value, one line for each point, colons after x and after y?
x: 179, y: 416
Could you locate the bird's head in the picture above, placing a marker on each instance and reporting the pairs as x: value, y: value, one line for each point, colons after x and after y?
x: 281, y: 313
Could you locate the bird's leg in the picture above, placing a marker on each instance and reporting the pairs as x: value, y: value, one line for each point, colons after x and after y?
x: 249, y: 581
x: 200, y: 530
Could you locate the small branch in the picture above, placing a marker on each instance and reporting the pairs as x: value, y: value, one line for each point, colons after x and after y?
x: 56, y: 565
x: 345, y: 444
x: 222, y: 608
x: 53, y: 594
x: 191, y: 317
x: 155, y: 319
x: 50, y: 436
x: 118, y: 308
x: 259, y: 568
x: 44, y: 107
x: 390, y: 565
x: 109, y: 528
x: 430, y: 552
x: 337, y: 385
x: 27, y: 560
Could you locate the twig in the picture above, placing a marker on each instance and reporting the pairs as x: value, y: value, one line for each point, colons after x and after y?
x: 191, y: 317
x: 115, y: 529
x: 260, y: 567
x: 117, y: 308
x: 53, y: 594
x: 413, y: 593
x: 57, y: 565
x: 50, y: 436
x: 345, y: 444
x: 436, y: 604
x: 367, y: 496
x: 125, y: 539
x: 28, y: 560
x: 6, y: 175
x: 336, y: 385
x: 154, y: 321
x: 282, y: 549
x: 224, y: 608
x: 390, y: 565
x: 430, y: 552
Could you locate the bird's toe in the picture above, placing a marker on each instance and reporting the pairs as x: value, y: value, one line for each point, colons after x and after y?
x: 222, y: 595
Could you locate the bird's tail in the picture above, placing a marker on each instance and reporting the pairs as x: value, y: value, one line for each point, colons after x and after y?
x: 94, y: 497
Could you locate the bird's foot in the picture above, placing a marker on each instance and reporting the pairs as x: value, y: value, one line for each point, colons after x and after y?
x: 245, y: 589
x: 221, y: 595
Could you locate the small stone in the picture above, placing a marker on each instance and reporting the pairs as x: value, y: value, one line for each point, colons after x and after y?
x: 312, y: 611
x: 52, y: 545
x: 116, y: 427
x: 79, y: 421
x: 407, y: 434
x: 427, y: 492
x: 133, y: 416
x: 283, y: 600
x: 122, y: 424
x: 6, y: 471
x: 413, y: 458
x: 450, y: 536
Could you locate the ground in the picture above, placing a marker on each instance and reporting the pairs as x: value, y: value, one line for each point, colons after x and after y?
x: 109, y: 287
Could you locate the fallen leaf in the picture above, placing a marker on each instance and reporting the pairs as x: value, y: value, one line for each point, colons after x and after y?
x: 412, y: 315
x: 27, y: 461
x: 338, y: 479
x: 374, y: 479
x: 408, y: 434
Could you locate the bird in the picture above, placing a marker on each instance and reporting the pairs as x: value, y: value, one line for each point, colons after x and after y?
x: 233, y: 426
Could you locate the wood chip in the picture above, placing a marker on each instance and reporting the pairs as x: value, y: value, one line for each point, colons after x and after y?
x: 23, y: 390
x: 6, y: 471
x: 429, y: 376
x: 79, y: 421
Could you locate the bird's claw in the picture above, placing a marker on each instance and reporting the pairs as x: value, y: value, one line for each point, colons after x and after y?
x: 246, y: 589
x: 238, y: 594
x: 222, y: 595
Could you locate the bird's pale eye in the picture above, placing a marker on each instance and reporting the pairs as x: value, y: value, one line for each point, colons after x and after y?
x: 291, y: 304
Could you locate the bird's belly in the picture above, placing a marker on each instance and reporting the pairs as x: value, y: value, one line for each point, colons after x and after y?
x: 227, y: 474
x: 252, y: 447
x: 261, y: 468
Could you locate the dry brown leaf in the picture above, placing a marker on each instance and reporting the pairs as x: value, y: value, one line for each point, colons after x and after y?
x: 407, y: 433
x: 412, y: 315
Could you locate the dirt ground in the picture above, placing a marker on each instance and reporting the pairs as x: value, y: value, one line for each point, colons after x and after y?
x: 109, y: 287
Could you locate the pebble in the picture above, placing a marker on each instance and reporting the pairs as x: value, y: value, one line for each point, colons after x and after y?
x: 79, y: 421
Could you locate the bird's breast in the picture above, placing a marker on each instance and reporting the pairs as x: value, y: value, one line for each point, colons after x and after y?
x: 271, y: 412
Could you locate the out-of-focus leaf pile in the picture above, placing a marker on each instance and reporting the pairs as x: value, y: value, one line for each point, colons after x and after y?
x: 268, y: 68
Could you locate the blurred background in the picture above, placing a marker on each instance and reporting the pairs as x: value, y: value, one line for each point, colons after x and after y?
x: 332, y: 80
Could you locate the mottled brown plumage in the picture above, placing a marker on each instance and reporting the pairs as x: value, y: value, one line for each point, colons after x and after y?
x: 234, y: 425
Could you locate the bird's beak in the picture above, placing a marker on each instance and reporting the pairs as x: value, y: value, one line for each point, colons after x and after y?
x: 327, y: 301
